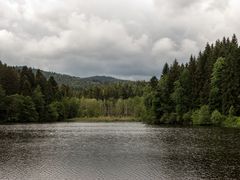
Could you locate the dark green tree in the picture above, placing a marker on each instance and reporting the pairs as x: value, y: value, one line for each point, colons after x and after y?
x: 215, y: 98
x: 38, y: 99
x: 3, y: 105
x: 165, y: 70
x: 154, y: 82
x: 28, y: 111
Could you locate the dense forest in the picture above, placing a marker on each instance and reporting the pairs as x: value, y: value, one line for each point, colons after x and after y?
x: 204, y: 91
x: 28, y: 96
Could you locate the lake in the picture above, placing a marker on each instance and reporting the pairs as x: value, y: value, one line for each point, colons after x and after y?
x: 114, y: 151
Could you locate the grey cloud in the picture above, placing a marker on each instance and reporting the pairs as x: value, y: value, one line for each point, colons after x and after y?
x: 122, y: 38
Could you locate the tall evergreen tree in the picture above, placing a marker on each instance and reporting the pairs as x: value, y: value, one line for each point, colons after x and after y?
x: 9, y: 79
x: 165, y: 69
x: 153, y: 82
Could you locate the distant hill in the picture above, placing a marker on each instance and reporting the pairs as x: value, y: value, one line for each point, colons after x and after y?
x: 77, y: 82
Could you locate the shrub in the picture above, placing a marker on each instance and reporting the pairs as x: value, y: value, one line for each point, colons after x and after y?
x: 216, y: 117
x: 238, y: 122
x: 201, y: 116
x: 230, y: 121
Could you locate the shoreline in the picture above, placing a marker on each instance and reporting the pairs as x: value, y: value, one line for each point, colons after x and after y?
x: 103, y: 119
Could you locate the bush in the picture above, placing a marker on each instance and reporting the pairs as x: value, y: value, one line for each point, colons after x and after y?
x: 216, y: 117
x: 202, y: 116
x: 230, y: 121
x: 238, y: 122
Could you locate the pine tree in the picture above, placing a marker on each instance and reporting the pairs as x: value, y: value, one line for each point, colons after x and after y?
x: 41, y: 81
x: 28, y: 111
x: 26, y: 88
x: 153, y: 82
x: 52, y: 90
x: 9, y: 79
x: 165, y: 69
x: 192, y: 69
x: 231, y: 79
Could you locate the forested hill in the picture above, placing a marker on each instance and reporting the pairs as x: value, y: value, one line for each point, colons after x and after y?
x: 77, y: 82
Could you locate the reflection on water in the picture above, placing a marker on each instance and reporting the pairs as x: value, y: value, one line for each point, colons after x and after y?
x: 117, y: 151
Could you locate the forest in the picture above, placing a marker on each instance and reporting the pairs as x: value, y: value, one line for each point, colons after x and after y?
x: 204, y: 91
x: 26, y: 96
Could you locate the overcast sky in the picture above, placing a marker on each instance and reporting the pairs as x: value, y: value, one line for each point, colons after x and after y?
x: 129, y: 39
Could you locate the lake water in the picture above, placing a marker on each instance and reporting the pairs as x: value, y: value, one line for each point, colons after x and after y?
x: 114, y: 151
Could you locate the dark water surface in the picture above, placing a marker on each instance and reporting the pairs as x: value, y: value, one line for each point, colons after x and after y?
x: 112, y: 151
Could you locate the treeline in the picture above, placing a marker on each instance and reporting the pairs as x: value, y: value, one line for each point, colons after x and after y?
x: 131, y: 107
x: 204, y: 91
x: 28, y: 96
x: 120, y: 90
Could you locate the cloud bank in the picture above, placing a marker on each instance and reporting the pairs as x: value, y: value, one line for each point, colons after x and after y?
x: 121, y: 38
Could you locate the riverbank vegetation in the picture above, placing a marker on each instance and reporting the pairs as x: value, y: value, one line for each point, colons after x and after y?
x: 204, y: 91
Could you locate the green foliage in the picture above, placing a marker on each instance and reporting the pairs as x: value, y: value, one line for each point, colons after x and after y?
x: 56, y: 111
x: 9, y: 79
x: 38, y: 99
x: 14, y: 103
x: 28, y: 111
x: 217, y: 118
x: 53, y: 112
x: 230, y: 121
x: 165, y: 70
x: 238, y: 122
x: 21, y: 109
x: 153, y: 82
x: 121, y: 90
x: 215, y: 98
x: 91, y: 108
x: 210, y: 81
x: 201, y: 116
x: 71, y: 106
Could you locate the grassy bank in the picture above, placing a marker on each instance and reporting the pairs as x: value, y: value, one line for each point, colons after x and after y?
x: 104, y: 119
